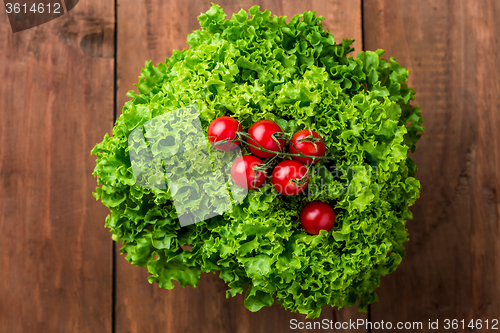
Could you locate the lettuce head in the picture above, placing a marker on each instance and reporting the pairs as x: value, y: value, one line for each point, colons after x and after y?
x: 296, y: 74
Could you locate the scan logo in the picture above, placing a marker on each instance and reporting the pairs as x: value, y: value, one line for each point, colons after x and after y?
x: 26, y: 14
x: 171, y: 153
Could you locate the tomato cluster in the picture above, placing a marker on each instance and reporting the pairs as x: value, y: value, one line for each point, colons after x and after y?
x: 266, y: 139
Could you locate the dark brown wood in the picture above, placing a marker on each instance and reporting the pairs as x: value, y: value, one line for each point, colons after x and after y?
x: 150, y: 30
x: 56, y: 102
x: 452, y: 50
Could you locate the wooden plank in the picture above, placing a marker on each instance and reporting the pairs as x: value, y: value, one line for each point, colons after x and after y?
x: 150, y: 30
x: 56, y: 102
x: 452, y: 50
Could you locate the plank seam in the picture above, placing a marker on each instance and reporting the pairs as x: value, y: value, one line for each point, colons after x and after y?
x: 362, y: 26
x: 362, y: 3
x: 115, y: 112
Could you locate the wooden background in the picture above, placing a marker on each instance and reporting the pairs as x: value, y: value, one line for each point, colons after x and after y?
x: 63, y: 83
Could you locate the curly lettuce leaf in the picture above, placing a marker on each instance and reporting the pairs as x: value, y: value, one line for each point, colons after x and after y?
x: 296, y: 74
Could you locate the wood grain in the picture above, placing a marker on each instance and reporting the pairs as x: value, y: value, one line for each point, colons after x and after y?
x: 150, y: 30
x: 452, y: 50
x: 55, y: 104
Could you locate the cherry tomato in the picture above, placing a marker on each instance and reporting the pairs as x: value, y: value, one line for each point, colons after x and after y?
x: 315, y: 148
x: 316, y: 216
x: 286, y: 177
x: 224, y: 128
x: 261, y: 134
x: 244, y: 175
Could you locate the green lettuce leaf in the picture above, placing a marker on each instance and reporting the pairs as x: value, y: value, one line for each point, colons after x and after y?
x: 296, y: 74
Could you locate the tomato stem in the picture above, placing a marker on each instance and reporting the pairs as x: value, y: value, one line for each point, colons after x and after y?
x: 302, y: 180
x: 310, y: 138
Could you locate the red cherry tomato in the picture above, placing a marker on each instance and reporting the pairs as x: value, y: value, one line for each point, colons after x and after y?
x: 309, y: 148
x: 261, y: 134
x: 317, y: 216
x: 286, y: 177
x: 244, y: 175
x: 224, y: 128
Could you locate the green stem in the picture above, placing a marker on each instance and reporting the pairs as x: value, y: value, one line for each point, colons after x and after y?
x: 259, y: 147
